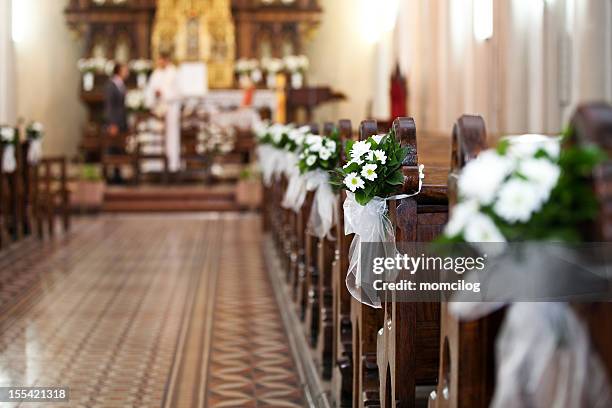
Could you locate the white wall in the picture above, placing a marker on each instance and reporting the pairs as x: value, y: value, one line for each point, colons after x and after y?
x: 7, y: 105
x: 47, y: 77
x: 342, y: 57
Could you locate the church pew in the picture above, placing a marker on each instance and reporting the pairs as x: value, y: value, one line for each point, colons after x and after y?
x: 4, y: 201
x: 467, y: 349
x: 321, y: 303
x: 32, y: 220
x: 365, y: 323
x: 302, y: 266
x: 342, y: 338
x: 593, y: 124
x: 407, y: 348
x: 12, y: 209
x: 467, y: 369
x: 315, y: 272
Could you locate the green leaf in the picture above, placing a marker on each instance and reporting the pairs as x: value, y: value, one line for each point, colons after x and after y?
x: 396, y: 179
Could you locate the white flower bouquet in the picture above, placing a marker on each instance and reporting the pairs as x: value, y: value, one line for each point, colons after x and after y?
x: 135, y: 101
x: 35, y: 131
x: 96, y: 65
x: 373, y: 169
x: 245, y: 66
x: 525, y: 189
x: 8, y: 135
x: 141, y: 66
x: 319, y: 153
x: 296, y: 63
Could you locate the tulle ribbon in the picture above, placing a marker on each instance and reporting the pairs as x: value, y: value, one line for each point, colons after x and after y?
x: 545, y: 360
x: 324, y: 205
x: 9, y: 162
x: 273, y: 163
x: 371, y: 224
x: 35, y: 151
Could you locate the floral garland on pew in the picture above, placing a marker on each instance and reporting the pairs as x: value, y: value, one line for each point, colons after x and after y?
x: 8, y: 138
x: 529, y: 189
x: 371, y: 177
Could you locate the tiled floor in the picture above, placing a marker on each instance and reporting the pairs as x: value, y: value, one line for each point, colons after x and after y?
x: 147, y: 311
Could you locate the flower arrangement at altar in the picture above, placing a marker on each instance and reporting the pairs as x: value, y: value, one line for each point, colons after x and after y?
x: 272, y: 66
x: 8, y: 135
x: 296, y: 66
x: 89, y: 67
x: 373, y: 169
x: 135, y: 101
x: 213, y: 139
x: 525, y: 189
x: 141, y: 67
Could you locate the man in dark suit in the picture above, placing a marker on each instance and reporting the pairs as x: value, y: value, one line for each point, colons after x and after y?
x: 116, y: 113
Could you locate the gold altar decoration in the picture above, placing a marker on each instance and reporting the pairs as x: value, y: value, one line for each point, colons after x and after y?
x: 198, y: 30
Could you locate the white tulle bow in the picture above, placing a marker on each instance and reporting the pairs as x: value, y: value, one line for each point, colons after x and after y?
x: 35, y: 151
x: 370, y: 224
x: 9, y: 162
x: 324, y: 205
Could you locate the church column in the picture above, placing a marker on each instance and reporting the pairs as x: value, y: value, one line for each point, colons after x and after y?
x: 7, y: 56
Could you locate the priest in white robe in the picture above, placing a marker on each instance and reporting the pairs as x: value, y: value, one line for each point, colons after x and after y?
x: 162, y: 96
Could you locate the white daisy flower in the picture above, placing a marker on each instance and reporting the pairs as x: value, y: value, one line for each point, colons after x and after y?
x: 353, y: 182
x: 381, y: 156
x: 331, y: 145
x: 543, y: 173
x: 518, y: 200
x: 481, y: 228
x: 369, y: 172
x: 324, y: 154
x: 359, y: 149
x: 356, y: 161
x: 310, y: 160
x: 461, y: 215
x: 370, y: 156
x: 482, y: 177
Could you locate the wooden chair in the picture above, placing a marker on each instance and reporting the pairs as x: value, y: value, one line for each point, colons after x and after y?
x: 119, y: 144
x: 53, y: 193
x: 342, y: 332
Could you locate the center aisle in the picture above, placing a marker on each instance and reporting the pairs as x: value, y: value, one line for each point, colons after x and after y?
x: 172, y: 310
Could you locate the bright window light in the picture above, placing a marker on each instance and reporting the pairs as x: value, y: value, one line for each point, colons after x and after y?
x: 378, y: 17
x: 483, y: 19
x: 19, y: 20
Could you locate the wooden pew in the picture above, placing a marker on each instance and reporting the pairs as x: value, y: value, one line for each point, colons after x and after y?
x: 12, y: 191
x: 467, y: 366
x: 322, y: 294
x: 467, y: 349
x: 593, y: 125
x: 342, y: 337
x: 407, y: 349
x: 302, y: 265
x: 365, y: 323
x: 32, y: 220
x: 315, y: 270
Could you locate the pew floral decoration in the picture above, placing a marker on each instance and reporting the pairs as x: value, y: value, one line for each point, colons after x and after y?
x: 8, y: 139
x: 34, y: 134
x: 318, y: 157
x: 277, y: 149
x: 372, y: 176
x: 135, y: 101
x: 527, y: 189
